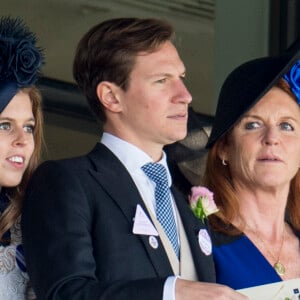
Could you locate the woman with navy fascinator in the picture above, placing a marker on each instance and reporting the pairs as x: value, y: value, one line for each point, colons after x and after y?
x: 21, y: 139
x: 253, y: 170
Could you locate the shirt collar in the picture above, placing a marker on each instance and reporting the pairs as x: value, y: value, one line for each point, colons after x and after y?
x: 132, y: 157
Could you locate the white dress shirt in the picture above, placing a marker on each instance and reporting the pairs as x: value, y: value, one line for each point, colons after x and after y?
x: 133, y: 159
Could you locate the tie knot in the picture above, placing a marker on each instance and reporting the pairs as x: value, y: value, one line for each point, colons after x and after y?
x: 156, y: 172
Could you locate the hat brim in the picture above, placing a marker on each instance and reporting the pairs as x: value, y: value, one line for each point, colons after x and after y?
x: 8, y: 89
x: 246, y: 85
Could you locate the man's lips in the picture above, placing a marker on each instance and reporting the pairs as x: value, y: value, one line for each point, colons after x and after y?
x: 179, y: 116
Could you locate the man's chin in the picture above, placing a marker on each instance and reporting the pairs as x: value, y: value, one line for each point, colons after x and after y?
x: 176, y: 138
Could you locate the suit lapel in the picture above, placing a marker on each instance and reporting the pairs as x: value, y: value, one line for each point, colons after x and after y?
x: 192, y: 227
x: 117, y: 182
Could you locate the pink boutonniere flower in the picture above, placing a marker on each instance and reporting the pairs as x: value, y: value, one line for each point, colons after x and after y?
x: 202, y: 202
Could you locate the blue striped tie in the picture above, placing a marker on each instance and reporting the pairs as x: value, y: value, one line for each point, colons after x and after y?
x: 164, y: 212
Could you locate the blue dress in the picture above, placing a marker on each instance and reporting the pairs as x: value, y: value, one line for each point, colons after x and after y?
x: 239, y: 264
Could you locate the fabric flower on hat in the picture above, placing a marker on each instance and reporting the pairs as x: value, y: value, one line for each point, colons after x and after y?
x: 20, y: 58
x: 293, y: 79
x: 27, y: 61
x: 202, y: 202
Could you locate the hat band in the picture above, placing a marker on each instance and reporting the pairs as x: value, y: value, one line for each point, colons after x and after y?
x: 8, y: 90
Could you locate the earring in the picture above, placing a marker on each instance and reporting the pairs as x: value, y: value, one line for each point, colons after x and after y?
x: 224, y: 163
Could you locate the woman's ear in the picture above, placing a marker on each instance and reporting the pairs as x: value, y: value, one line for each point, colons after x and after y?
x: 107, y: 93
x: 222, y: 150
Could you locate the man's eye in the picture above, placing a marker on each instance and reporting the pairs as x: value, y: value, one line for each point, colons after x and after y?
x: 163, y: 80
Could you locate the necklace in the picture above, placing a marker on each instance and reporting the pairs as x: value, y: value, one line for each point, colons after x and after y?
x: 278, y: 266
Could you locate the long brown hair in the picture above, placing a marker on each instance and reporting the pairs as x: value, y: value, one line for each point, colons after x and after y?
x: 218, y: 179
x: 15, y: 194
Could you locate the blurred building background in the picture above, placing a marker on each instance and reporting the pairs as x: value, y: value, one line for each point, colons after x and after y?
x: 213, y: 36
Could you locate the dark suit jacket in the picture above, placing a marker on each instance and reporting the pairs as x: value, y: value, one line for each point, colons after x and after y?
x: 77, y: 232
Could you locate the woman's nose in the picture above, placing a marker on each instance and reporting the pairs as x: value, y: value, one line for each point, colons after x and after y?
x: 20, y: 137
x: 271, y: 136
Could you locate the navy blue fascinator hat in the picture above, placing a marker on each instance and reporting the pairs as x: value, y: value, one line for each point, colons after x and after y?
x: 248, y: 83
x: 20, y: 58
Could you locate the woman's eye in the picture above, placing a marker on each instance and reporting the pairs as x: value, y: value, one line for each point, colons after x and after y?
x: 29, y: 128
x: 4, y: 126
x: 252, y: 125
x: 286, y: 126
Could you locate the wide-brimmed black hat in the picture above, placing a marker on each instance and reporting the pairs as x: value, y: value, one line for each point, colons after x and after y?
x: 246, y: 85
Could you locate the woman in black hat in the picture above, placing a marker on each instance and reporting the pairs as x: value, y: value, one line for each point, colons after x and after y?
x: 253, y: 169
x: 20, y: 146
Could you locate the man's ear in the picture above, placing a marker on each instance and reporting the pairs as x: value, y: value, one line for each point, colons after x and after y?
x: 107, y: 93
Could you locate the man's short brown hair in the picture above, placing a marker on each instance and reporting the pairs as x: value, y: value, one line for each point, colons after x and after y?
x: 108, y: 50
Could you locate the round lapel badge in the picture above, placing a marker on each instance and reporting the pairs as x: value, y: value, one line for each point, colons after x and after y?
x: 153, y: 242
x: 204, y: 242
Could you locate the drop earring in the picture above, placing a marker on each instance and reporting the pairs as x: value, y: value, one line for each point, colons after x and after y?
x: 224, y: 163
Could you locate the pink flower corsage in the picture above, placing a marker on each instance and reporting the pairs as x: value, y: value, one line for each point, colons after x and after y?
x: 202, y: 202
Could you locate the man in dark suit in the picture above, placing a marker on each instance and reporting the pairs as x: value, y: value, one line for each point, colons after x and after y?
x: 90, y: 224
